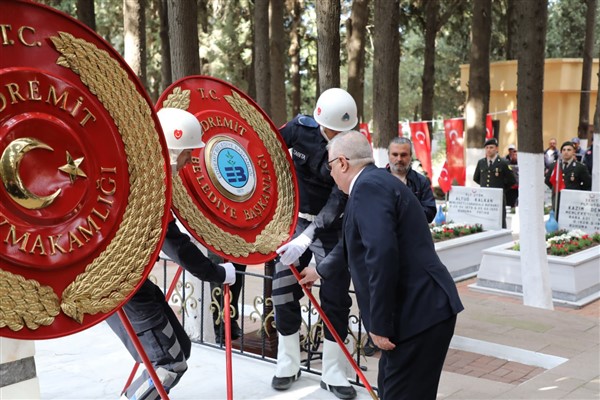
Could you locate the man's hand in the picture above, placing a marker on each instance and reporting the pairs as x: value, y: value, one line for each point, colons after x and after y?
x: 382, y: 342
x: 309, y: 277
x: 229, y: 273
x: 291, y: 251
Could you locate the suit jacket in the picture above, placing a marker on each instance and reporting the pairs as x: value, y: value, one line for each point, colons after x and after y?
x: 401, y: 285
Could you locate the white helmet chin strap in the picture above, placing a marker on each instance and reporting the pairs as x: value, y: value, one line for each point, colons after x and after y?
x: 173, y: 155
x: 323, y: 133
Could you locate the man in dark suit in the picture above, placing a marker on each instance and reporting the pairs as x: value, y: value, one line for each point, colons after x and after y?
x: 494, y: 172
x: 406, y: 296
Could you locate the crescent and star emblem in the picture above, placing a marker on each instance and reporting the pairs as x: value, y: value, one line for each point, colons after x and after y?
x: 9, y: 172
x: 420, y: 133
x: 452, y: 133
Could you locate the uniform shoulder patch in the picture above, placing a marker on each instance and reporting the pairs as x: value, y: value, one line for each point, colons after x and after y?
x: 307, y: 121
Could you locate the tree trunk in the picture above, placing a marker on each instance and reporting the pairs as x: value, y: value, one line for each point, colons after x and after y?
x: 386, y: 63
x: 596, y: 138
x: 86, y: 13
x: 328, y: 43
x: 262, y: 70
x: 295, y: 9
x: 356, y: 27
x: 432, y: 8
x: 586, y: 75
x: 479, y: 73
x: 134, y: 30
x: 532, y: 20
x: 511, y: 26
x: 278, y: 95
x: 183, y: 36
x: 165, y: 48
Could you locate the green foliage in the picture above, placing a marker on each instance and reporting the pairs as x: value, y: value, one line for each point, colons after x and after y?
x: 566, y: 29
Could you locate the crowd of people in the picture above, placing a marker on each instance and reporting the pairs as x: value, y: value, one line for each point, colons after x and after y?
x: 408, y: 304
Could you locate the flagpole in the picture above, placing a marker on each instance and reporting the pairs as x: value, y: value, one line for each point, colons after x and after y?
x: 556, y: 184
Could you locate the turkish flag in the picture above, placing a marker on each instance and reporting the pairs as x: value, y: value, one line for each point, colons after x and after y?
x: 489, y: 127
x: 514, y: 117
x: 364, y: 129
x: 556, y: 179
x: 455, y: 151
x: 419, y: 132
x: 445, y: 181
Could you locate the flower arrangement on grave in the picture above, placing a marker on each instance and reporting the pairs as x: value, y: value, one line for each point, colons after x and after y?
x: 563, y: 242
x: 452, y: 230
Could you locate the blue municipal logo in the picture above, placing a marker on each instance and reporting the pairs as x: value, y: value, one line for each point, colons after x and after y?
x: 232, y: 168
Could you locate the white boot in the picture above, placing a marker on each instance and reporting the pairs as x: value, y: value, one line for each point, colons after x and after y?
x: 288, y: 361
x: 334, y: 377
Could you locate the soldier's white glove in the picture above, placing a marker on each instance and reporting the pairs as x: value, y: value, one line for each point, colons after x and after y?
x: 291, y: 251
x: 229, y: 273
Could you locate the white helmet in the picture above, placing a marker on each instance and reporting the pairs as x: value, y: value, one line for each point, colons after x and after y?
x: 182, y: 129
x: 336, y: 110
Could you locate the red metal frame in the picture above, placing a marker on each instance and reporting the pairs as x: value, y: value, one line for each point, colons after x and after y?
x: 148, y: 364
x: 140, y: 349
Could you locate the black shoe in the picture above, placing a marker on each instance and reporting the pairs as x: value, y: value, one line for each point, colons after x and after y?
x: 284, y: 383
x: 341, y: 392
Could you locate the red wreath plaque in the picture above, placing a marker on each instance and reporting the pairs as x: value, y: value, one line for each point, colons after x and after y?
x: 85, y: 196
x: 239, y: 196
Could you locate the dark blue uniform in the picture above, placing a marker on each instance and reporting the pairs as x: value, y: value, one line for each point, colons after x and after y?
x: 321, y: 206
x: 165, y: 341
x: 421, y: 187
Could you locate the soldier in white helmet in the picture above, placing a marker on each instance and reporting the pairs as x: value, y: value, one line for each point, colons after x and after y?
x: 317, y: 232
x: 160, y: 332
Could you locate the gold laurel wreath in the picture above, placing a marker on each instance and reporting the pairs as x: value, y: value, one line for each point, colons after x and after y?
x: 277, y: 230
x: 114, y: 273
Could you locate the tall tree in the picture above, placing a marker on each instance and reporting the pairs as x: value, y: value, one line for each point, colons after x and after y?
x: 386, y: 60
x: 165, y: 48
x: 511, y: 26
x: 596, y: 138
x: 478, y: 97
x: 183, y: 36
x: 328, y: 43
x: 295, y: 10
x: 532, y: 19
x: 435, y: 18
x: 86, y: 13
x: 278, y: 95
x: 586, y: 75
x: 356, y: 27
x: 134, y: 32
x: 262, y: 70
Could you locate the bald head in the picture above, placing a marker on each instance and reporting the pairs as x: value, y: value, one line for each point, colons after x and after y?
x: 353, y: 145
x: 348, y: 153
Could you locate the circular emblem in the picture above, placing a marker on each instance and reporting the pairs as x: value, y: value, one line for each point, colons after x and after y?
x: 239, y: 195
x: 85, y: 196
x: 230, y: 168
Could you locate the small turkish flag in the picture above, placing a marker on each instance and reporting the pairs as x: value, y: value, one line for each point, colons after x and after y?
x: 422, y: 145
x: 489, y: 127
x: 556, y: 179
x: 364, y: 129
x: 444, y: 179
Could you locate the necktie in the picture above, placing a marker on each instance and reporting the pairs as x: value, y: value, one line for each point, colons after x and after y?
x: 490, y: 163
x: 565, y: 165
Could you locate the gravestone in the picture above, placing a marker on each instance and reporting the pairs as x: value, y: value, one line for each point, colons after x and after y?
x: 579, y: 210
x: 471, y: 205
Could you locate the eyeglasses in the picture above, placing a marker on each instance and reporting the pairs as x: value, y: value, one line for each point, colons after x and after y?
x: 329, y: 163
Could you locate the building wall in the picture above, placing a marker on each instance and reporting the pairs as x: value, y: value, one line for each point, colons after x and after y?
x: 562, y: 86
